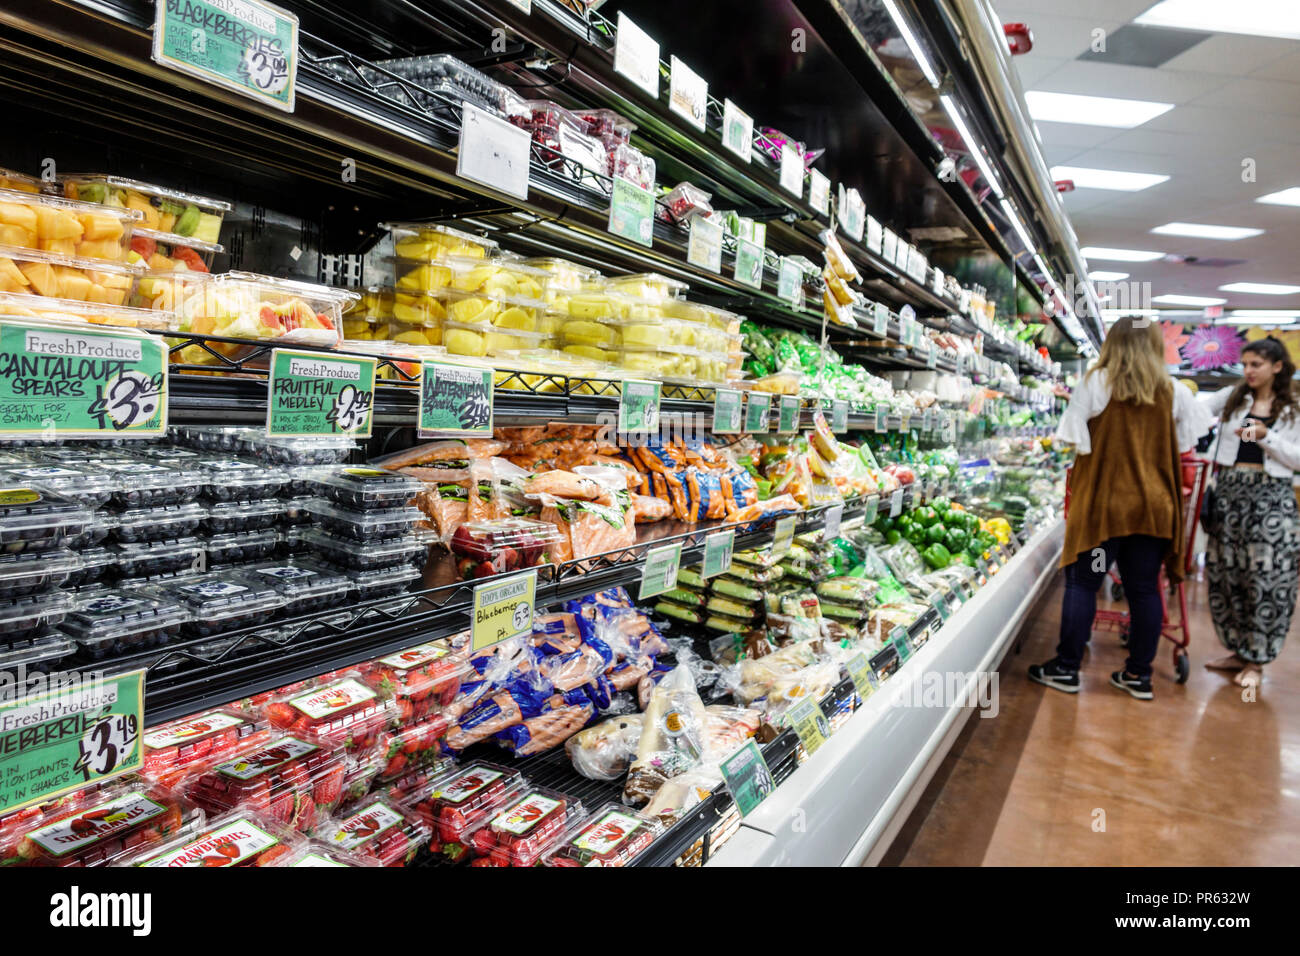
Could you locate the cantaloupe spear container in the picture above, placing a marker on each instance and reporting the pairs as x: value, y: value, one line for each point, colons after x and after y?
x: 30, y: 272
x: 160, y: 208
x: 64, y: 227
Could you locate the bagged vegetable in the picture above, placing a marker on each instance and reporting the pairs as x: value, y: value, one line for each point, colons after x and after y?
x: 672, y: 737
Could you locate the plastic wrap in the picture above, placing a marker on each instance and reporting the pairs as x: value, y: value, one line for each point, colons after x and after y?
x: 672, y: 737
x: 605, y: 750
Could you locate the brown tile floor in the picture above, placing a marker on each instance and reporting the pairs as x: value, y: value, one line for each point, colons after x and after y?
x: 1196, y: 777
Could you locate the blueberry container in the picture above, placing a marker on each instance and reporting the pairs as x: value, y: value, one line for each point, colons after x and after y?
x: 98, y: 530
x: 304, y: 584
x: 224, y: 600
x: 325, y: 450
x: 409, y: 549
x: 34, y: 519
x: 40, y: 655
x: 304, y: 480
x: 296, y: 511
x: 166, y: 453
x: 24, y: 617
x: 236, y: 479
x: 384, y: 582
x: 95, y: 564
x: 231, y: 517
x: 28, y: 572
x: 148, y: 559
x: 159, y: 524
x: 125, y: 620
x: 151, y: 484
x: 365, y: 526
x: 365, y: 488
x: 242, y: 547
x: 74, y: 454
x: 85, y: 484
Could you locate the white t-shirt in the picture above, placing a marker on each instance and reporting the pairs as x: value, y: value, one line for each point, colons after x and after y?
x: 1092, y: 395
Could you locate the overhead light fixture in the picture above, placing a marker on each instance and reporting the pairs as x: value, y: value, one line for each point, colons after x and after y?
x: 1199, y: 231
x: 909, y: 38
x: 1260, y: 288
x: 1107, y: 276
x: 1086, y: 178
x: 1019, y: 226
x: 1234, y: 319
x: 1265, y: 313
x: 1287, y: 197
x: 950, y: 105
x: 1119, y: 255
x: 1188, y: 300
x: 1263, y: 18
x: 1092, y: 110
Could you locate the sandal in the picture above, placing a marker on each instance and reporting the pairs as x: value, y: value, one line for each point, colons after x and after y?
x: 1252, y: 675
x: 1230, y: 663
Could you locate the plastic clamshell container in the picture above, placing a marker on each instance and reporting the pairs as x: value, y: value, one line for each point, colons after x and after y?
x: 369, y: 488
x: 420, y: 680
x: 29, y: 272
x: 381, y: 830
x: 169, y: 291
x: 459, y: 801
x: 412, y: 745
x: 65, y: 227
x: 344, y: 711
x: 255, y: 443
x: 123, y: 621
x: 69, y: 312
x: 611, y: 836
x: 20, y: 182
x: 161, y: 208
x: 233, y: 517
x: 152, y: 558
x: 168, y: 252
x: 303, y: 481
x: 26, y: 572
x: 363, y: 526
x: 93, y: 564
x: 290, y: 779
x: 507, y: 544
x: 304, y: 584
x: 313, y: 853
x: 159, y: 523
x: 239, y: 838
x: 242, y: 305
x: 525, y: 828
x: 152, y: 484
x: 24, y: 617
x: 235, y: 479
x: 294, y: 511
x: 377, y: 554
x: 121, y: 820
x: 480, y: 340
x: 34, y: 519
x: 564, y: 276
x: 384, y: 582
x: 85, y: 484
x: 38, y: 656
x: 448, y: 82
x: 428, y: 241
x: 176, y: 748
x: 494, y: 278
x: 646, y: 285
x: 224, y: 600
x: 241, y: 547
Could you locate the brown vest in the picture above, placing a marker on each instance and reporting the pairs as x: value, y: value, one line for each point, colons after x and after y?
x: 1131, y: 483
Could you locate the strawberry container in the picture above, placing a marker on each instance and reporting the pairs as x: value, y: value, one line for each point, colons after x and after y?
x: 625, y: 160
x: 418, y: 681
x: 413, y: 746
x: 379, y: 830
x: 343, y: 711
x: 313, y: 853
x: 561, y: 134
x: 462, y: 799
x: 500, y: 545
x: 240, y: 838
x: 524, y: 829
x: 65, y: 227
x: 159, y: 207
x: 291, y: 779
x: 606, y: 125
x: 612, y: 836
x: 175, y: 749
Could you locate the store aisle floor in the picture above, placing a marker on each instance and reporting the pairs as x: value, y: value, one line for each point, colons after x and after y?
x: 1195, y: 777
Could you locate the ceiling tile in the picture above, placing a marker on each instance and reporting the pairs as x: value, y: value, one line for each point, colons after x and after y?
x: 1261, y: 96
x: 1287, y: 68
x: 1231, y: 55
x: 1035, y: 69
x: 1131, y: 82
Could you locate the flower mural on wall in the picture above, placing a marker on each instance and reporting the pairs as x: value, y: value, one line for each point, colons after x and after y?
x: 1213, y: 346
x: 1174, y: 336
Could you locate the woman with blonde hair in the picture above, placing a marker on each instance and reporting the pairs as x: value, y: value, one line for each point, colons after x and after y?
x: 1128, y: 422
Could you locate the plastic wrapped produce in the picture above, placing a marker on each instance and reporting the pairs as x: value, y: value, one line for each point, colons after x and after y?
x: 524, y: 828
x: 345, y: 712
x: 234, y: 479
x: 672, y: 738
x: 605, y: 750
x: 145, y: 484
x: 458, y: 801
x: 38, y: 655
x: 384, y: 582
x: 611, y: 836
x: 237, y: 517
x: 379, y: 830
x: 221, y: 601
x: 152, y: 558
x: 364, y: 526
x: 413, y: 548
x: 83, y: 483
x: 65, y: 227
x: 685, y: 202
x: 484, y: 548
x: 29, y: 272
x: 29, y: 572
x: 160, y: 208
x: 442, y: 81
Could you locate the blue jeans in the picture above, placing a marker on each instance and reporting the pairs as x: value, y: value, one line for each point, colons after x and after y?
x: 1139, y: 557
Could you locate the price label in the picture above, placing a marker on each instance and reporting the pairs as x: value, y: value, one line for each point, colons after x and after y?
x: 636, y: 55
x: 727, y: 411
x: 834, y: 515
x: 632, y: 212
x: 789, y: 415
x: 705, y: 246
x: 58, y: 383
x: 940, y: 605
x: 660, y: 571
x: 927, y: 422
x: 747, y: 777
x: 889, y: 245
x: 638, y: 407
x: 757, y: 406
x: 503, y: 609
x: 717, y: 553
x: 882, y: 418
x: 783, y: 535
x: 839, y: 416
x: 905, y: 419
x: 688, y: 94
x: 898, y: 637
x: 880, y: 319
x: 250, y: 47
x: 819, y: 192
x: 789, y: 282
x: 493, y: 152
x: 737, y: 130
x: 949, y: 428
x: 872, y: 509
x: 875, y: 234
x: 901, y: 251
x: 319, y: 393
x: 809, y: 722
x: 896, y: 503
x: 938, y: 281
x: 749, y: 263
x: 982, y: 566
x: 455, y: 401
x: 853, y: 212
x: 55, y: 739
x: 931, y: 356
x: 791, y: 171
x: 864, y: 678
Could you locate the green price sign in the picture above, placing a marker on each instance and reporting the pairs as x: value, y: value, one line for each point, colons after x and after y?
x: 247, y: 46
x: 638, y: 407
x: 864, y: 678
x: 783, y: 536
x: 718, y: 548
x: 660, y: 571
x: 927, y: 421
x: 632, y: 212
x: 872, y: 509
x: 789, y: 417
x: 940, y: 605
x: 705, y: 246
x: 728, y: 411
x: 810, y: 723
x: 757, y: 406
x: 455, y: 401
x: 54, y: 740
x: 882, y: 418
x: 898, y: 637
x: 503, y: 609
x: 896, y: 503
x: 749, y: 263
x: 789, y: 282
x: 76, y: 383
x: 748, y: 778
x: 319, y: 393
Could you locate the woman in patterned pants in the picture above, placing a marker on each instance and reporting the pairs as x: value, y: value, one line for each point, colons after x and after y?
x: 1253, y: 560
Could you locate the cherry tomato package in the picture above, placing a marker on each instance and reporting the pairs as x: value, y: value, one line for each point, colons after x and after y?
x: 419, y: 681
x: 381, y: 830
x: 523, y: 828
x: 240, y: 838
x: 175, y: 749
x: 612, y: 836
x: 456, y: 803
x: 343, y: 711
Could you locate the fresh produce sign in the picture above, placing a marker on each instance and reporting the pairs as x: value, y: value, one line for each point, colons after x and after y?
x: 632, y: 212
x: 55, y: 741
x: 455, y: 401
x: 503, y: 609
x: 789, y: 420
x: 319, y: 393
x: 64, y: 383
x: 660, y: 571
x: 248, y: 46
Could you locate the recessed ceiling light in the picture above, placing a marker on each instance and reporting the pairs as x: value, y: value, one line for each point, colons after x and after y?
x: 1187, y: 300
x: 1092, y: 110
x: 1264, y: 18
x: 1264, y: 313
x: 1119, y: 255
x: 1287, y: 197
x: 1260, y: 288
x: 1104, y: 276
x: 1199, y: 231
x: 1085, y: 178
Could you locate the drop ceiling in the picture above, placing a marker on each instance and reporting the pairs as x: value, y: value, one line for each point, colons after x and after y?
x: 1235, y: 98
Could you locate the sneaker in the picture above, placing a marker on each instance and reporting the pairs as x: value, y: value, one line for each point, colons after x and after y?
x: 1053, y: 675
x: 1139, y: 687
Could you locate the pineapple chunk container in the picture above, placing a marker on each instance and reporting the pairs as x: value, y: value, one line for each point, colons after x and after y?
x: 64, y: 227
x: 20, y: 182
x: 500, y: 276
x: 427, y: 241
x: 29, y: 272
x: 69, y: 312
x: 161, y: 209
x: 367, y: 317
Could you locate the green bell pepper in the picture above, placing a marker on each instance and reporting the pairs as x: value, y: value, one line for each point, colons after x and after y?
x: 941, y: 505
x: 935, y: 534
x: 925, y: 515
x: 956, y: 539
x: 915, y: 534
x: 937, y: 556
x: 892, y: 536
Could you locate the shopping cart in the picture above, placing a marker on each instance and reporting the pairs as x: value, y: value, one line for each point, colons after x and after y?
x: 1195, y: 476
